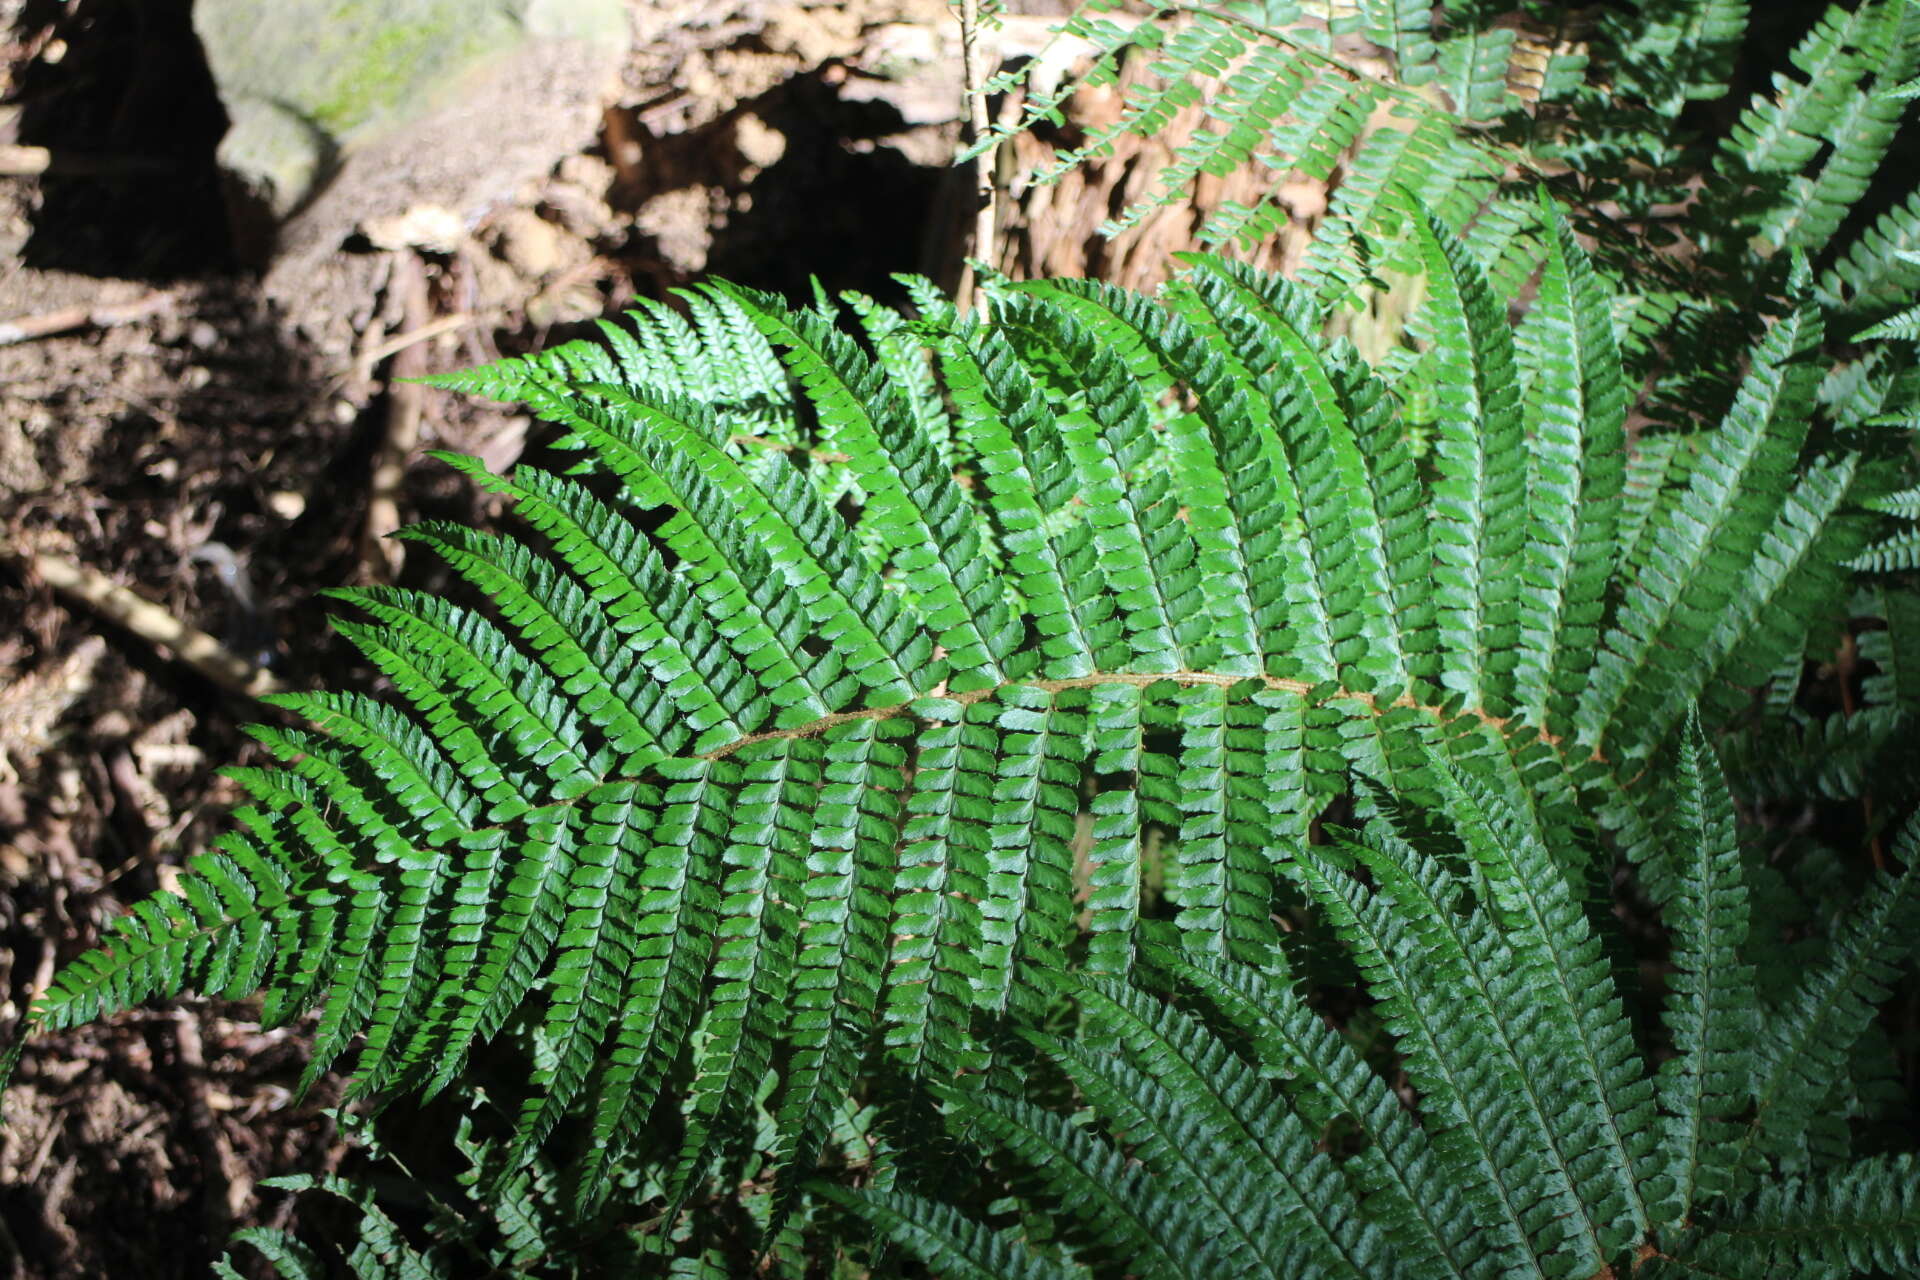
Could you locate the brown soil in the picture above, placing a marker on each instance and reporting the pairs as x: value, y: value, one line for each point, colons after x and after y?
x: 215, y: 456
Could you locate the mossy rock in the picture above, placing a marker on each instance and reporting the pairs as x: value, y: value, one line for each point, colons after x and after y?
x: 316, y: 78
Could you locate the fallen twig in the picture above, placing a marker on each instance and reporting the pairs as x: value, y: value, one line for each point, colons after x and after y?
x: 149, y: 621
x: 67, y: 319
x: 393, y: 346
x: 27, y: 162
x: 406, y: 400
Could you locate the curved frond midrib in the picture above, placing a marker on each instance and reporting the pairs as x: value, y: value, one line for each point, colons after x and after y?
x: 1440, y: 714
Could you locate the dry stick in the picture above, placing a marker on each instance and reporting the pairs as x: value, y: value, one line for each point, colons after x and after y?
x: 66, y: 319
x: 28, y: 162
x: 985, y: 226
x: 149, y: 621
x: 406, y: 401
x: 394, y: 346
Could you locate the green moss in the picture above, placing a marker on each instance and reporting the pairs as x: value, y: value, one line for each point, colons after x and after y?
x: 382, y: 60
x: 389, y: 70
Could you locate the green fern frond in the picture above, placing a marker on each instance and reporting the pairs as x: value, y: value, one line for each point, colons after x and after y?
x: 1576, y: 405
x: 1678, y: 52
x: 1431, y: 930
x: 949, y: 1241
x: 1417, y: 1204
x: 1838, y: 110
x: 1710, y: 1012
x: 1863, y: 1218
x: 1117, y: 1208
x: 732, y: 788
x: 1802, y: 1044
x: 1200, y: 1118
x: 1489, y: 1119
x: 1479, y: 511
x: 1735, y: 490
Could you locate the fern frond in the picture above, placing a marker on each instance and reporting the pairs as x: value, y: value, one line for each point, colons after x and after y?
x: 954, y: 1244
x: 1479, y: 500
x: 673, y: 914
x: 1734, y: 491
x: 1489, y: 1122
x: 1802, y: 1044
x: 1836, y: 110
x: 836, y: 976
x: 1214, y: 1134
x: 757, y: 939
x: 1553, y: 944
x: 1863, y: 1218
x: 1115, y: 1206
x: 1408, y: 1191
x: 231, y: 930
x: 1711, y: 1011
x: 913, y: 504
x: 1576, y: 403
x: 732, y: 793
x: 1679, y: 52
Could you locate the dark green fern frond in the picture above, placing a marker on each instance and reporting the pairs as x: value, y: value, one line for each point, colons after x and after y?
x: 1710, y: 1013
x: 1803, y: 1043
x: 1735, y: 490
x: 1576, y: 403
x: 1479, y: 508
x: 729, y: 786
x: 1504, y: 1135
x: 1468, y: 104
x: 1840, y: 115
x: 1276, y: 94
x: 1863, y: 1218
x: 382, y: 1249
x: 949, y: 1241
x: 1406, y: 1191
x: 1120, y: 1212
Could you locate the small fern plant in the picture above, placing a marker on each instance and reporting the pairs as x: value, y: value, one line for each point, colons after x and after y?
x: 841, y: 696
x: 1539, y: 1142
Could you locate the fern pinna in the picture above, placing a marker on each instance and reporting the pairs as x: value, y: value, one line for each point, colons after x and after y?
x: 1540, y: 1143
x: 831, y: 711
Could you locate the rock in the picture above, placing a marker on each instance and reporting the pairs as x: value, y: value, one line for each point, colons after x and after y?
x: 681, y: 222
x: 530, y: 244
x: 350, y: 111
x: 432, y: 228
x: 760, y: 144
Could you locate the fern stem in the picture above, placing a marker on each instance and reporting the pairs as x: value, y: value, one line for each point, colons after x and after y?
x: 1301, y: 688
x: 985, y: 213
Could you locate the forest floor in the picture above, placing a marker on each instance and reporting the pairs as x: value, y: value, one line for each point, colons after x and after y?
x: 214, y: 449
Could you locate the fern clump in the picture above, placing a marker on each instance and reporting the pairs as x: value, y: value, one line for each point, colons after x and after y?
x: 844, y: 699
